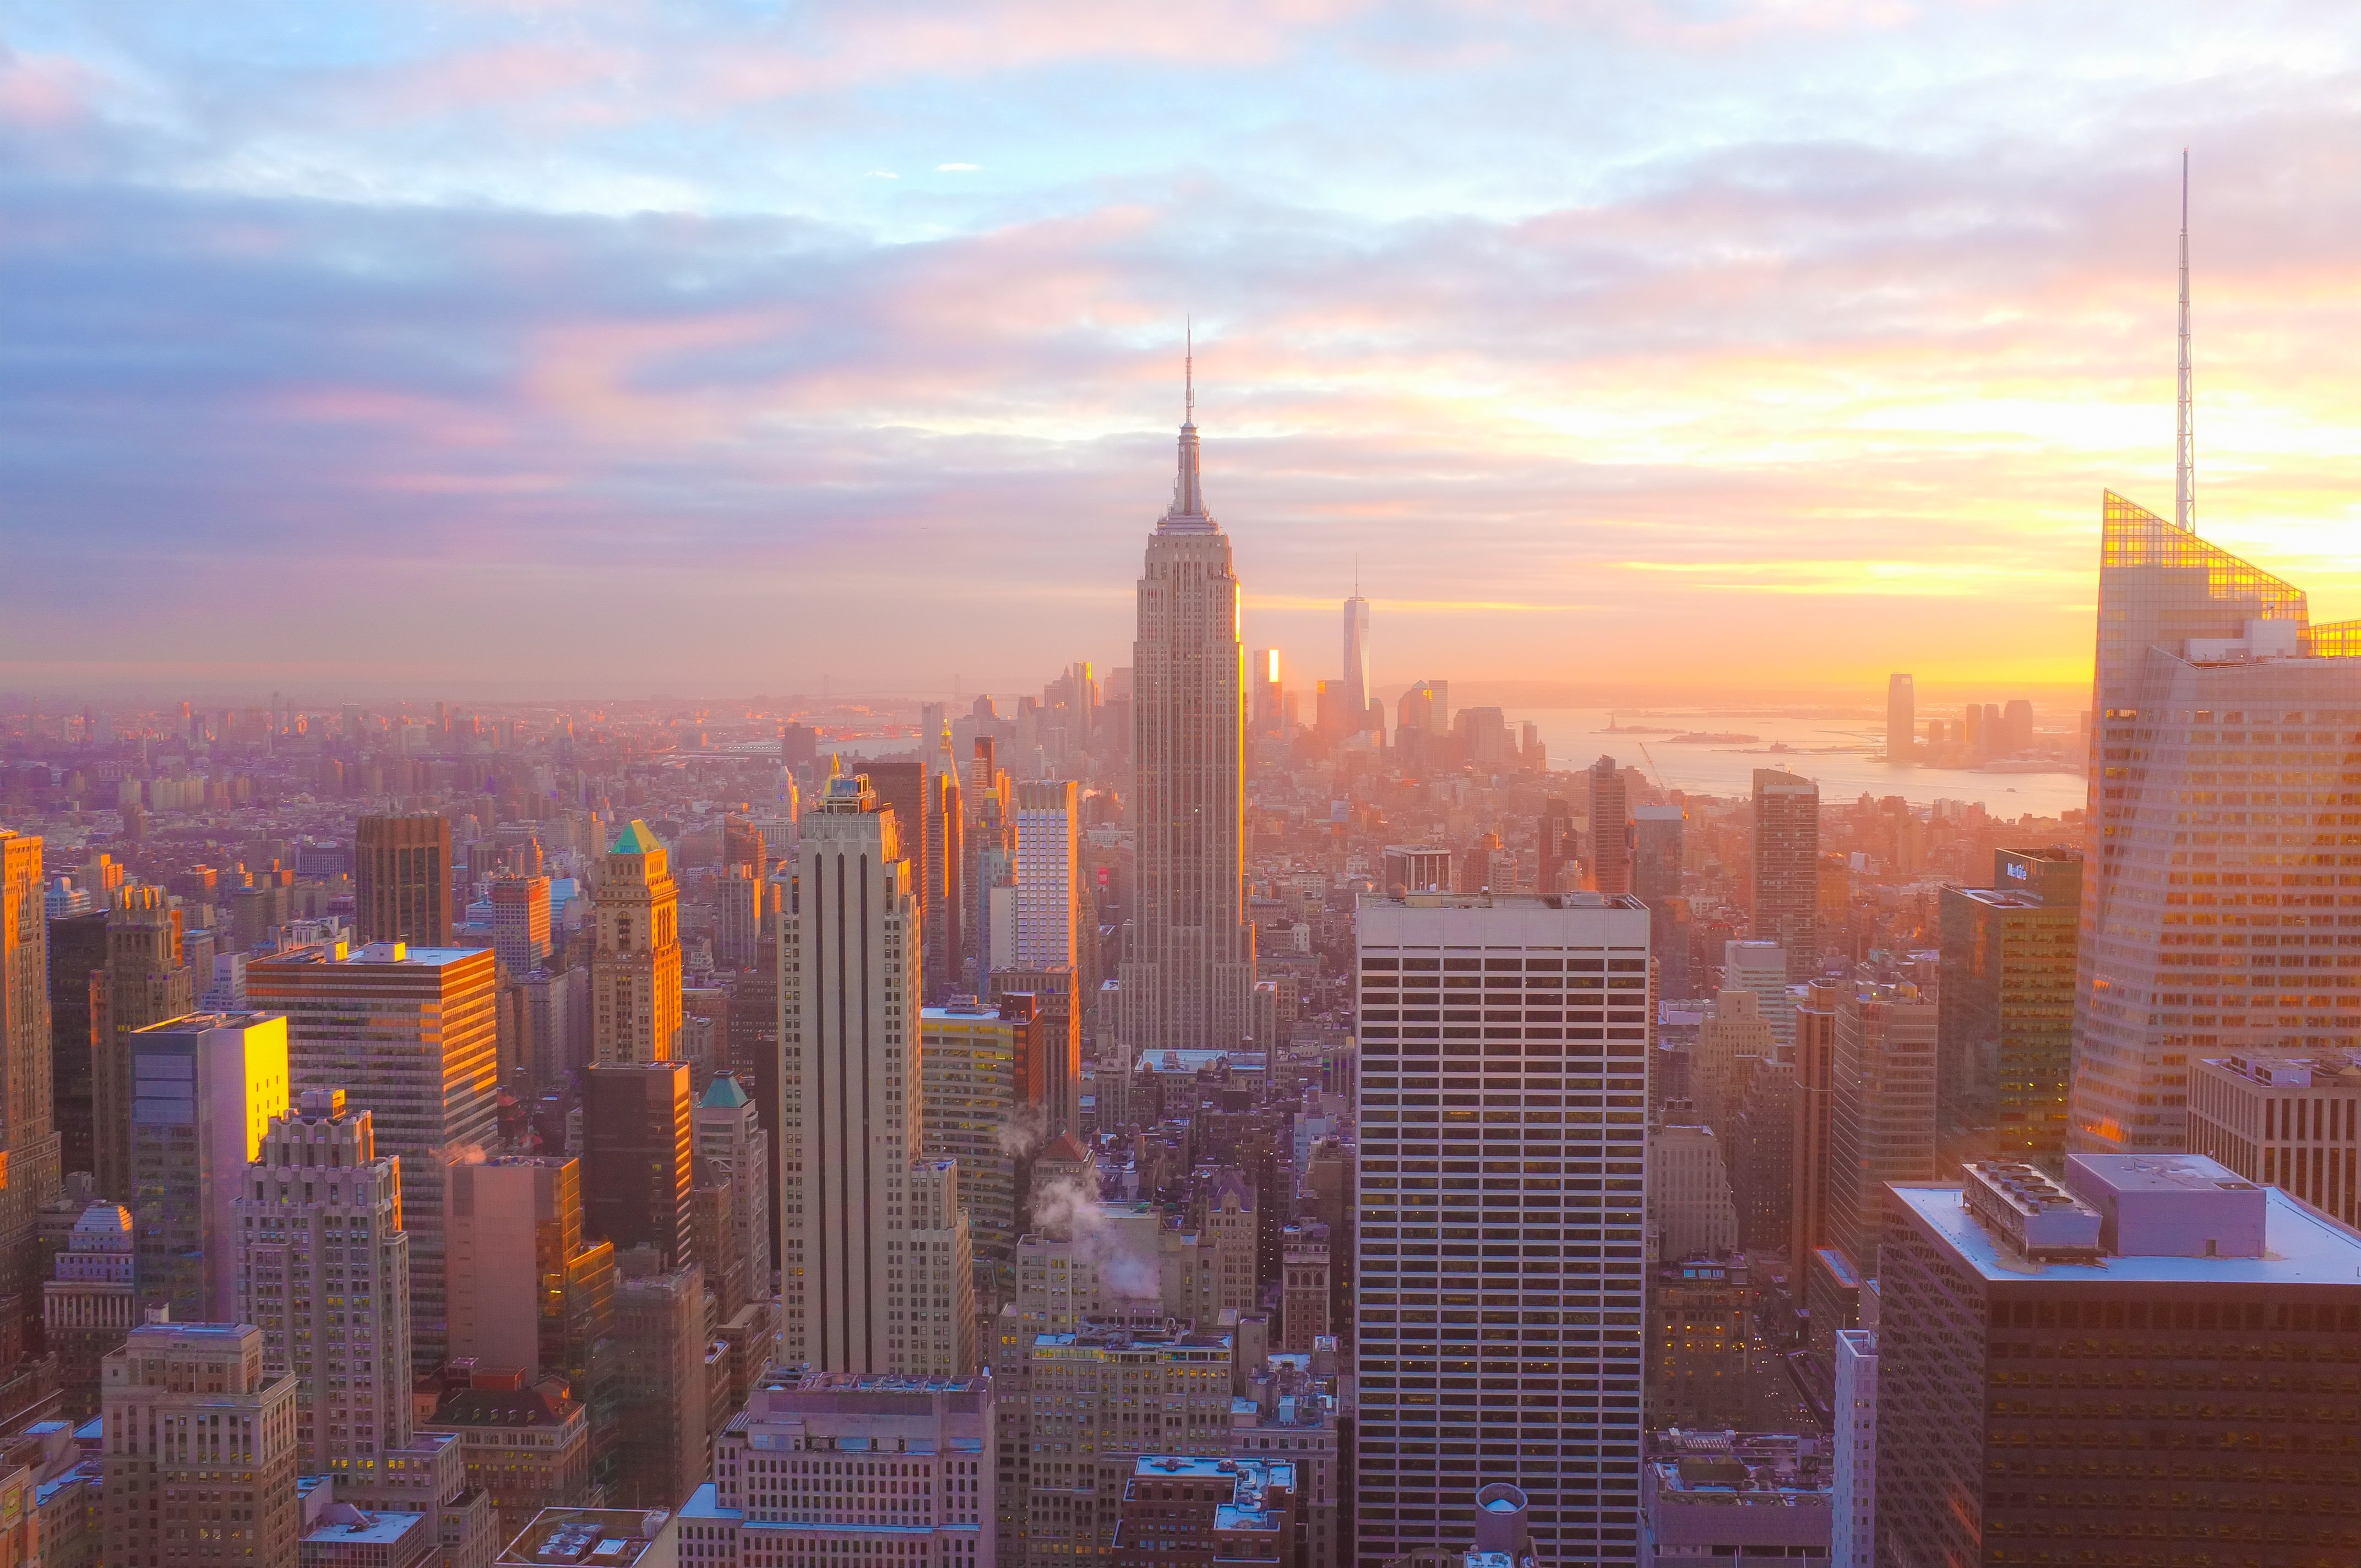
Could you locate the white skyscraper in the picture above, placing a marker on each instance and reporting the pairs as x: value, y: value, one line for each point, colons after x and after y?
x: 1853, y: 1511
x: 325, y: 1276
x: 1189, y: 983
x: 849, y: 1199
x: 1761, y: 968
x: 1048, y: 876
x: 1357, y: 662
x: 1502, y: 1034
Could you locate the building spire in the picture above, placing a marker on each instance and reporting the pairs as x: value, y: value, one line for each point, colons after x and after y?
x: 1188, y: 488
x: 2184, y: 452
x: 1188, y: 355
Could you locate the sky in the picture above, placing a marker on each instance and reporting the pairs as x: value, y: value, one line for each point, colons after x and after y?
x: 1681, y: 352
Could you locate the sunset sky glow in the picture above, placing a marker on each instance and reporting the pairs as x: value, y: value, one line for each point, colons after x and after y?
x: 1656, y: 351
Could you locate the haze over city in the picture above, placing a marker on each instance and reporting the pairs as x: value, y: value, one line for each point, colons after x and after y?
x: 1693, y: 352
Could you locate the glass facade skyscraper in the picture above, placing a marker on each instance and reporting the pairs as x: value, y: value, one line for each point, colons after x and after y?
x: 2223, y: 905
x: 2008, y: 1002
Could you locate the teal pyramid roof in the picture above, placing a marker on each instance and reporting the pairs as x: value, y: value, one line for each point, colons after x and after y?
x: 723, y: 1091
x: 635, y: 839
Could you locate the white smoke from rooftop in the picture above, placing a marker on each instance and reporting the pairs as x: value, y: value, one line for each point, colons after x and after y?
x: 1069, y: 1209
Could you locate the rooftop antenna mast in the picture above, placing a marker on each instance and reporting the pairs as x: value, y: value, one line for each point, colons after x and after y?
x: 1189, y: 358
x: 2184, y: 456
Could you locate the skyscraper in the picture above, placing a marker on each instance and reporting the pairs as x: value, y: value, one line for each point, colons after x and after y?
x: 92, y: 1304
x: 635, y: 965
x: 2008, y: 1002
x: 1901, y: 719
x: 520, y: 923
x: 2288, y: 1120
x: 77, y: 981
x: 28, y: 1138
x: 985, y: 1107
x: 1558, y: 846
x: 637, y: 1145
x: 741, y: 845
x: 1656, y: 866
x: 1356, y: 699
x: 401, y: 880
x: 906, y: 789
x: 1881, y: 1120
x: 1190, y: 981
x: 1610, y: 830
x: 1051, y: 899
x: 944, y: 940
x: 660, y: 1386
x: 203, y: 1455
x: 1815, y: 1025
x: 325, y: 1273
x: 2222, y: 724
x: 1852, y: 1505
x: 737, y: 896
x: 1265, y: 710
x: 850, y: 1143
x: 204, y: 1089
x: 2118, y: 1325
x: 1656, y: 850
x: 1057, y: 1036
x: 146, y: 982
x: 1470, y: 1281
x: 553, y: 1316
x: 409, y: 1035
x: 734, y: 1152
x: 1787, y: 867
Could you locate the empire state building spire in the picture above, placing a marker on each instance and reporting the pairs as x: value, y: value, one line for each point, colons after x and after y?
x: 1188, y: 487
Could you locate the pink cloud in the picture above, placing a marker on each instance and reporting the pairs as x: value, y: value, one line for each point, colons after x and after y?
x: 46, y: 92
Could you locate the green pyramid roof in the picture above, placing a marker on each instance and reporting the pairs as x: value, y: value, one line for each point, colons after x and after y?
x: 635, y: 839
x: 724, y: 1092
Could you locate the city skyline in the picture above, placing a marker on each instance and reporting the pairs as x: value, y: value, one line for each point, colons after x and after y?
x: 493, y: 368
x: 1806, y: 900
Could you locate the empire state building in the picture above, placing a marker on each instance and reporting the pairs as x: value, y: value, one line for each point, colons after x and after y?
x: 1189, y: 983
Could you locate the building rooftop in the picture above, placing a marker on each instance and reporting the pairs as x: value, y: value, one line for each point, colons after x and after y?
x: 341, y: 1524
x: 598, y: 1538
x: 872, y: 1383
x: 1252, y: 1479
x: 1128, y: 1339
x: 1063, y: 1150
x: 2299, y: 1248
x: 2000, y: 897
x: 502, y: 1407
x: 1183, y: 1466
x: 1505, y: 901
x: 405, y: 953
x: 1196, y: 1061
x: 103, y: 1221
x: 636, y: 839
x: 198, y: 1023
x: 2305, y: 1069
x: 724, y: 1092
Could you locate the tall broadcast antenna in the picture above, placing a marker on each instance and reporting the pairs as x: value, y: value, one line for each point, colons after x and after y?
x: 2184, y: 454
